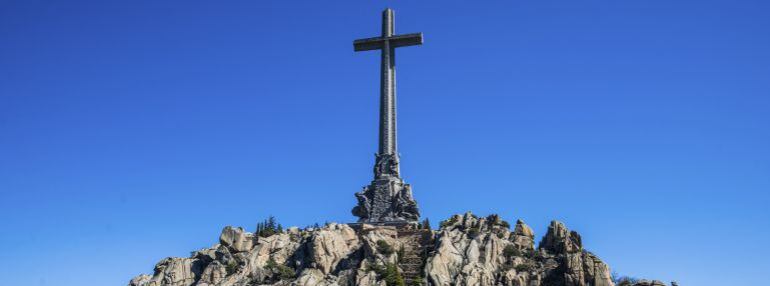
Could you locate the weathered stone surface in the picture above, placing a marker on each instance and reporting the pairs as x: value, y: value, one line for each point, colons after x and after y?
x: 332, y: 244
x: 214, y: 274
x: 569, y: 263
x: 140, y: 280
x: 466, y: 250
x: 470, y: 250
x: 523, y: 237
x: 559, y: 240
x: 368, y: 278
x: 311, y: 277
x: 237, y: 239
x: 173, y: 271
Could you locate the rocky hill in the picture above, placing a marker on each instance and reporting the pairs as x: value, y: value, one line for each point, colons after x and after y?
x: 466, y: 250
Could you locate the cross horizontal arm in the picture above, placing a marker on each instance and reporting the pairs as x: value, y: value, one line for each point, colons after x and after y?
x: 406, y: 40
x: 367, y: 44
x: 395, y: 42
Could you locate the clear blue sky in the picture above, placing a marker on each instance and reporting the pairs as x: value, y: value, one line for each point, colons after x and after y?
x: 135, y: 130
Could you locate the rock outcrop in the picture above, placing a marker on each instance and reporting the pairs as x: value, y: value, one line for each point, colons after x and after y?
x: 238, y: 239
x: 466, y: 250
x: 481, y: 251
x: 651, y: 283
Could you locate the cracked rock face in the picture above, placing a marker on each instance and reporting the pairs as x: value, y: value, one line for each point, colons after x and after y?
x: 238, y: 239
x: 467, y: 250
x: 482, y: 251
x: 560, y: 240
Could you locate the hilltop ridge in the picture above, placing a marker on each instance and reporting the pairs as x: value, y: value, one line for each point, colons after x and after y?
x: 465, y: 250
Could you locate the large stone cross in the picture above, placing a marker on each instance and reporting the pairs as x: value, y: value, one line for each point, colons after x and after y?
x: 388, y: 199
x: 388, y: 43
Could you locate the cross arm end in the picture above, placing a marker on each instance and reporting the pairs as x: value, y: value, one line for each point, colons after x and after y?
x: 407, y: 40
x: 367, y: 44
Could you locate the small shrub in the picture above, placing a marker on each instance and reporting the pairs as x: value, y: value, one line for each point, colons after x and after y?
x: 506, y: 267
x: 510, y: 251
x: 392, y: 277
x: 425, y: 224
x: 384, y: 248
x: 624, y: 283
x: 315, y: 226
x: 389, y: 273
x: 417, y: 281
x: 534, y: 254
x: 282, y: 271
x: 473, y: 232
x: 285, y: 272
x: 505, y: 224
x: 525, y: 267
x: 231, y: 267
x: 270, y: 264
x: 375, y: 268
x: 624, y: 280
x: 448, y: 222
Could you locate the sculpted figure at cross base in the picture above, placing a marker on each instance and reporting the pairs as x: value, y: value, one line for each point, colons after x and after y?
x: 386, y: 165
x: 383, y: 202
x: 387, y: 198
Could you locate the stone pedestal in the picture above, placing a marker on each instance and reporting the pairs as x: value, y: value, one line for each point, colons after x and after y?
x: 387, y: 198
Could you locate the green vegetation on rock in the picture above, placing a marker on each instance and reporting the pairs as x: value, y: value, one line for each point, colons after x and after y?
x: 384, y: 248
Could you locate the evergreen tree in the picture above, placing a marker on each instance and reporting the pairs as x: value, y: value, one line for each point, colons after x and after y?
x: 268, y: 227
x: 425, y: 224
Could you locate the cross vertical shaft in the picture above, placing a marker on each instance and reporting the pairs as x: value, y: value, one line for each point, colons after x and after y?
x: 387, y: 152
x: 387, y: 136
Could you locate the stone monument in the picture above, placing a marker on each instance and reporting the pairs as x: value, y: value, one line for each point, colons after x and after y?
x: 387, y: 199
x: 465, y: 250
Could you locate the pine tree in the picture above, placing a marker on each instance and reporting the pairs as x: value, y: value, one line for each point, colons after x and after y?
x: 268, y: 227
x: 426, y: 224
